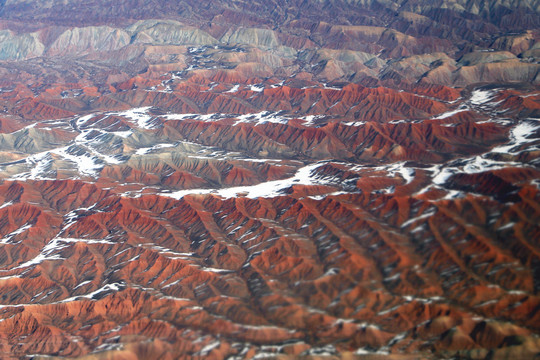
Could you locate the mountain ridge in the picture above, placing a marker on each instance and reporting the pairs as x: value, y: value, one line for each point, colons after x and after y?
x: 269, y: 179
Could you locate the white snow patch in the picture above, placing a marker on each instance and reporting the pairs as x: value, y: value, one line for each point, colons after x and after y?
x: 202, y: 117
x: 354, y: 123
x: 106, y: 288
x: 110, y: 159
x: 256, y: 118
x: 84, y: 119
x: 86, y: 241
x: 321, y: 197
x: 406, y: 173
x: 479, y: 97
x: 266, y: 189
x: 45, y: 254
x: 57, y: 244
x: 86, y: 164
x: 479, y: 164
x: 140, y: 116
x: 256, y: 88
x: 507, y: 226
x: 326, y: 87
x: 196, y: 49
x: 82, y: 284
x: 519, y: 135
x: 450, y: 113
x: 24, y: 128
x: 309, y: 120
x: 143, y: 151
x: 425, y: 215
x: 442, y: 175
x: 216, y: 270
x: 261, y: 118
x: 6, y: 239
x: 206, y: 350
x: 233, y: 89
x: 42, y: 163
x: 9, y: 203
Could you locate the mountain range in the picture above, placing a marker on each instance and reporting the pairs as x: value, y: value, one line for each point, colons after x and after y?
x: 329, y: 179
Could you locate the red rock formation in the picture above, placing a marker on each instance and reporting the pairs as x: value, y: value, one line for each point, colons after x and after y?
x: 269, y: 179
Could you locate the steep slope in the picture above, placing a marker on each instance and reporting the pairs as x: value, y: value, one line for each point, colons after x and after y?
x: 269, y: 179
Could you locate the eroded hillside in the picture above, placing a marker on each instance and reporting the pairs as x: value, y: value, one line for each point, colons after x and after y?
x: 269, y: 180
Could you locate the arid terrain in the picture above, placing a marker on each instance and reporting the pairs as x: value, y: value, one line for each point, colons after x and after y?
x: 270, y: 179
